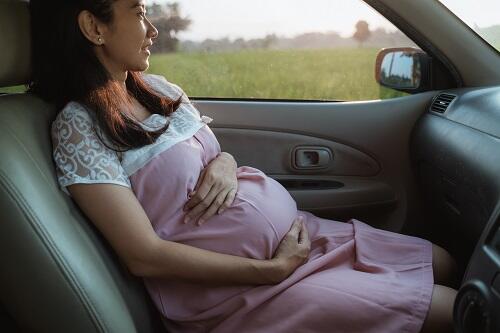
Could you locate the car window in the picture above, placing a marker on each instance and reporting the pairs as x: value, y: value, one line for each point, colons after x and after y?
x: 13, y: 89
x: 482, y: 16
x: 280, y: 49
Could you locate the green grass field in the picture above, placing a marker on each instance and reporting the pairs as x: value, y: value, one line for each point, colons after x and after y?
x: 332, y: 74
x: 14, y: 89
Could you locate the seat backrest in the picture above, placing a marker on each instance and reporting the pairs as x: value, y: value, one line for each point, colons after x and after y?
x: 58, y: 273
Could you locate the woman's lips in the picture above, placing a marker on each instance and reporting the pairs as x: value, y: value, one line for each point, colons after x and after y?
x: 146, y: 49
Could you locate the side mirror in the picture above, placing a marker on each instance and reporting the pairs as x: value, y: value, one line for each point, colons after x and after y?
x: 405, y: 69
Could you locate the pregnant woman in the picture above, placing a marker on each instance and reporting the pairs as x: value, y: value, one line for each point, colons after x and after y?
x: 220, y: 248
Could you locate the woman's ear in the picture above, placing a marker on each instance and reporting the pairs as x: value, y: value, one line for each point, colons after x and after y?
x: 90, y: 27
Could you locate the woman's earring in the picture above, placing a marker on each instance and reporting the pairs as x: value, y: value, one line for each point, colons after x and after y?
x: 99, y: 40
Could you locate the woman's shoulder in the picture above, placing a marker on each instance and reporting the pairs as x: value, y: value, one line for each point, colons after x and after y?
x: 73, y: 112
x: 164, y: 87
x: 173, y: 91
x: 72, y: 122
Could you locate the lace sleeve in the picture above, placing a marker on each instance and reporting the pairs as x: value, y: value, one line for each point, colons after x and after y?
x: 79, y: 154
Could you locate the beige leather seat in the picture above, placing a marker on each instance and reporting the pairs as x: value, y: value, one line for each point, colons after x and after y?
x: 57, y: 273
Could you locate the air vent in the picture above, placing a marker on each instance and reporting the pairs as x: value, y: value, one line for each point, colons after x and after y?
x: 441, y: 102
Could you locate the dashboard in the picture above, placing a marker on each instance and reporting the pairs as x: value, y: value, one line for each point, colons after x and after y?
x: 455, y: 150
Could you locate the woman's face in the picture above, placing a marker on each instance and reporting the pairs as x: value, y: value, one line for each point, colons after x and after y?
x: 125, y: 41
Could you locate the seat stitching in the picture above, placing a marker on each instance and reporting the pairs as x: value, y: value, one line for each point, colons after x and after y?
x: 53, y: 250
x: 23, y: 146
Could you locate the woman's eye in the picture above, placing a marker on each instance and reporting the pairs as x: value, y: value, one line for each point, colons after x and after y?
x: 142, y: 14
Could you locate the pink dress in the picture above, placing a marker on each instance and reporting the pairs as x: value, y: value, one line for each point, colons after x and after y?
x: 357, y: 278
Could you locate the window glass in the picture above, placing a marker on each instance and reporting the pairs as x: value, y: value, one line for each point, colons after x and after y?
x: 13, y: 89
x: 279, y: 49
x: 480, y: 15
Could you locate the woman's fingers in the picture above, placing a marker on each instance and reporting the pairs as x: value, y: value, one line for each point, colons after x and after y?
x: 216, y: 183
x: 304, y: 234
x: 202, y: 205
x: 295, y: 229
x: 228, y: 201
x: 200, y: 191
x: 216, y: 204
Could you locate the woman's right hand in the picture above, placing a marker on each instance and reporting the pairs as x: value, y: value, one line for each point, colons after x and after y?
x: 294, y: 249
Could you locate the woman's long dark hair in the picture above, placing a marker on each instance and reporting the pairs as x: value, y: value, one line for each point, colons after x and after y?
x: 65, y: 68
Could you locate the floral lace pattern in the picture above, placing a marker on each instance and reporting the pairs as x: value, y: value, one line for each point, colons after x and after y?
x: 79, y: 154
x: 81, y: 157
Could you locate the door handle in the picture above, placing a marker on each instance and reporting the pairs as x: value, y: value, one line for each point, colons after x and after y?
x: 311, y: 157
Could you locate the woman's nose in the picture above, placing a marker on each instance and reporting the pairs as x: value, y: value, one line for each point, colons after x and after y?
x: 152, y: 31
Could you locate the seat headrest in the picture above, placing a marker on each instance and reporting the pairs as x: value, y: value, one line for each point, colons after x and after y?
x: 15, y: 57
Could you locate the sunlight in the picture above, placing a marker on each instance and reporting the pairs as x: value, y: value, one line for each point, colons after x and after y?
x: 285, y: 18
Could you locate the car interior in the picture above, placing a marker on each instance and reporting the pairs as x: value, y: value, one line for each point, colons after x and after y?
x: 426, y: 164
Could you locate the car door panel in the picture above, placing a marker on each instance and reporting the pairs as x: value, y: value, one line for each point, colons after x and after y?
x: 336, y: 189
x: 369, y: 142
x: 274, y: 152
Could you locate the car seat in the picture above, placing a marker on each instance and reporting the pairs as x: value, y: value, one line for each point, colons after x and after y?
x: 58, y: 273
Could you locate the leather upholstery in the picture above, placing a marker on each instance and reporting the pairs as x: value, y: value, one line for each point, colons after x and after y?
x: 58, y: 274
x: 7, y: 324
x: 14, y: 42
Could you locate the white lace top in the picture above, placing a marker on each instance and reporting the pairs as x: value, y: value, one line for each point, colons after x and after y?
x: 81, y: 157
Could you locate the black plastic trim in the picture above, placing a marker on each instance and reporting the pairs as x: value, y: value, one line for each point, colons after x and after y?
x: 277, y: 100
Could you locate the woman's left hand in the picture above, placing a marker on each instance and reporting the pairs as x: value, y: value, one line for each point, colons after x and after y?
x: 215, y: 190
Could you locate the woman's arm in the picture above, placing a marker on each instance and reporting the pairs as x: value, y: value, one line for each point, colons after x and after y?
x: 118, y: 215
x: 206, y: 267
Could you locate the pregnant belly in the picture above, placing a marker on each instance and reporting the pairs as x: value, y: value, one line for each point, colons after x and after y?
x: 253, y: 227
x: 260, y: 216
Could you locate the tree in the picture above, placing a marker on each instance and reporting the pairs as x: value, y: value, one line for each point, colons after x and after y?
x: 269, y: 41
x: 155, y: 10
x: 362, y: 32
x: 169, y: 22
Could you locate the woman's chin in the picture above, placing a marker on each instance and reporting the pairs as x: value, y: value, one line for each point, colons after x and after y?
x: 140, y: 67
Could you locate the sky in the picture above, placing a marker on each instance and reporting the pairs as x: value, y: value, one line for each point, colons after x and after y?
x: 287, y: 18
x: 482, y: 13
